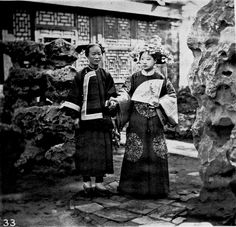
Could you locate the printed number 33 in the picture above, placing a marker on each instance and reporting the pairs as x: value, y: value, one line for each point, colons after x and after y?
x: 9, y: 222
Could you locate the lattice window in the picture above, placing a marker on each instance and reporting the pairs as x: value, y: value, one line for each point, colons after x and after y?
x: 123, y: 28
x: 153, y: 28
x: 55, y: 18
x: 65, y: 19
x: 47, y: 35
x: 117, y: 36
x: 110, y: 28
x: 118, y: 43
x: 142, y: 30
x: 118, y: 63
x: 21, y: 25
x: 83, y: 29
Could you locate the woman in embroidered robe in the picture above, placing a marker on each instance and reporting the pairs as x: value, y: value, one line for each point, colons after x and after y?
x: 145, y: 166
x: 89, y: 99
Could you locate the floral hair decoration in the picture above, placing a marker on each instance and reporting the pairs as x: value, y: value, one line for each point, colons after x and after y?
x: 154, y: 48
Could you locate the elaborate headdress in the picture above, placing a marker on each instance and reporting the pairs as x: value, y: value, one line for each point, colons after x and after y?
x: 154, y: 48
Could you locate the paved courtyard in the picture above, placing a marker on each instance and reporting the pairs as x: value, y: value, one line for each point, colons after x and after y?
x: 56, y: 200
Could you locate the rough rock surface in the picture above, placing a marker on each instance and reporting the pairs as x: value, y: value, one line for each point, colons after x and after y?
x: 24, y: 53
x: 187, y: 105
x: 11, y: 146
x: 213, y: 82
x: 29, y: 87
x: 60, y: 82
x: 44, y: 127
x: 60, y: 53
x: 22, y: 88
x: 38, y: 82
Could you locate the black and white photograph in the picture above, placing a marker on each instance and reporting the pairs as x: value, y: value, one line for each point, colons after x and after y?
x: 117, y: 113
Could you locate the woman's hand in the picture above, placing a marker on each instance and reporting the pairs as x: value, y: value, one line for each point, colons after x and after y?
x: 111, y: 105
x: 113, y: 101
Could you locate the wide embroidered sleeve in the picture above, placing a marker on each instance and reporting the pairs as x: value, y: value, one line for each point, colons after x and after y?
x: 168, y: 103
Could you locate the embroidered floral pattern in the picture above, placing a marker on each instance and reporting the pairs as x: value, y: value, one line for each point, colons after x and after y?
x: 145, y: 110
x: 159, y: 146
x: 134, y: 147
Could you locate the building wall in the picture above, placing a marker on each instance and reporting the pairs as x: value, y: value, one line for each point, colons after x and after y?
x: 118, y: 32
x: 21, y: 25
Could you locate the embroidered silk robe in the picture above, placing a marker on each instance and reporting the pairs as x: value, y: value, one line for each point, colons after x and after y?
x: 145, y: 166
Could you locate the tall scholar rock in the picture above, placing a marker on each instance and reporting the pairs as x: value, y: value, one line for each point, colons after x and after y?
x: 38, y: 82
x: 213, y: 82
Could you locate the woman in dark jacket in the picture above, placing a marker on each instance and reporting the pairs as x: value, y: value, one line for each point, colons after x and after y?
x: 89, y: 99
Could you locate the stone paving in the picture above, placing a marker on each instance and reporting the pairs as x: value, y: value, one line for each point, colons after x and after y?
x: 126, y: 211
x: 69, y: 208
x: 120, y: 210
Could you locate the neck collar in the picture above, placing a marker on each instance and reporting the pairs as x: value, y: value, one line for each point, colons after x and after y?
x: 93, y: 68
x: 150, y: 73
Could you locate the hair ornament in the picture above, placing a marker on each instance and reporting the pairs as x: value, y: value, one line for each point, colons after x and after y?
x: 154, y: 48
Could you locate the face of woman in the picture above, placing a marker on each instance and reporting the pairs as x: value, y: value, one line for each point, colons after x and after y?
x: 95, y: 55
x: 147, y: 61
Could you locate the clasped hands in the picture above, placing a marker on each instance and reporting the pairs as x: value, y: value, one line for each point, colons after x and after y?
x: 111, y: 106
x: 111, y: 103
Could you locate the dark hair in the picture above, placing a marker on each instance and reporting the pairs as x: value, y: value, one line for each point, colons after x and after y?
x: 158, y: 57
x: 86, y: 47
x: 92, y: 45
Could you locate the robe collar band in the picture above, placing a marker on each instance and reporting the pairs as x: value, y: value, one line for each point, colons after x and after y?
x: 150, y: 73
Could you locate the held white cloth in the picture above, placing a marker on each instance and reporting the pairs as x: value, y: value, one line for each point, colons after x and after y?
x: 148, y: 92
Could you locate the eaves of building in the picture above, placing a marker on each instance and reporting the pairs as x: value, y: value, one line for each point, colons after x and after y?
x: 118, y: 6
